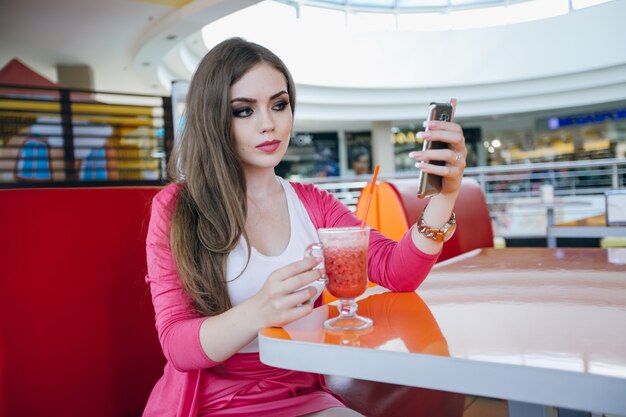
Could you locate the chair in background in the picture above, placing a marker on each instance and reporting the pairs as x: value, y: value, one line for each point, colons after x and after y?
x: 395, y: 207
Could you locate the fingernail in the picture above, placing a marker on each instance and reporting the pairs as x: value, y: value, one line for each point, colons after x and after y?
x: 424, y: 124
x: 415, y: 154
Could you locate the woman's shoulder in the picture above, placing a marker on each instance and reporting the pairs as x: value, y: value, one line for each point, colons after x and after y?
x: 308, y: 190
x: 323, y: 207
x: 311, y: 195
x: 166, y: 198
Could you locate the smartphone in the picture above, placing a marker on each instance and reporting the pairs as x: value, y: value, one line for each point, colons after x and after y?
x: 429, y: 184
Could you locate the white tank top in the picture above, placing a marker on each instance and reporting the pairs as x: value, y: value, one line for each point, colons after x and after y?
x: 302, y: 233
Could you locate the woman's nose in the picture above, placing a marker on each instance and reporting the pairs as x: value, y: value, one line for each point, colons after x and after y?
x: 266, y: 122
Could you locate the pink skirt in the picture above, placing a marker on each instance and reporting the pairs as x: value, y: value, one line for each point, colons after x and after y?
x: 243, y: 386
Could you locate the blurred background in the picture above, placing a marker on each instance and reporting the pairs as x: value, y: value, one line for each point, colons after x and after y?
x: 92, y: 93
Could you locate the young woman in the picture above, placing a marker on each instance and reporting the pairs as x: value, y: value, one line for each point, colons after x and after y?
x: 226, y: 241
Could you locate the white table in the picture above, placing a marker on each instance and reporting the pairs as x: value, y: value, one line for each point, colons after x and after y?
x: 538, y: 327
x: 585, y: 228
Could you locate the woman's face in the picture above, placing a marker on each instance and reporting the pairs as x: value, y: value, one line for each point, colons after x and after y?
x: 262, y: 118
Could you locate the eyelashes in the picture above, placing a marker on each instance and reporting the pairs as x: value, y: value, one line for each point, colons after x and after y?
x: 281, y: 105
x: 242, y: 112
x: 246, y: 111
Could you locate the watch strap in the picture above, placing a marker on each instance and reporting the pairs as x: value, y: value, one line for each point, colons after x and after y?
x: 435, y: 234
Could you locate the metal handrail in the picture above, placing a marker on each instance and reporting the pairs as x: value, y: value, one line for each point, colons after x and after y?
x: 507, y: 186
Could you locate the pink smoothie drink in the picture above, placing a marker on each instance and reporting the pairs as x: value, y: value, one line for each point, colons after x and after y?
x: 346, y: 268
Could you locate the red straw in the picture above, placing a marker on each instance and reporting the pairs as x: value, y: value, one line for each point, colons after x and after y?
x: 369, y: 196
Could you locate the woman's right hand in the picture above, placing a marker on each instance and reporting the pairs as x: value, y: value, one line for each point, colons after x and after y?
x: 282, y: 299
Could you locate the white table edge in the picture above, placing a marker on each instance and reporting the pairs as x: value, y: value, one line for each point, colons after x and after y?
x: 593, y: 393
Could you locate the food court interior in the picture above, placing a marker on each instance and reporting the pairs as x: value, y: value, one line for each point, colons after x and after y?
x: 537, y: 82
x: 540, y: 84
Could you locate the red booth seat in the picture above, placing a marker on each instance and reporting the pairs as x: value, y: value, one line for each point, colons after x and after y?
x: 395, y: 207
x: 77, y: 334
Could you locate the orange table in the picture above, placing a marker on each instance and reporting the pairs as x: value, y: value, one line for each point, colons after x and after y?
x: 588, y: 227
x: 535, y: 326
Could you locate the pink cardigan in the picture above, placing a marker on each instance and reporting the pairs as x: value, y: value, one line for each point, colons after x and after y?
x: 398, y: 266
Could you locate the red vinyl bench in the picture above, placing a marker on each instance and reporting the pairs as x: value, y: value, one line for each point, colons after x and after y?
x: 77, y: 335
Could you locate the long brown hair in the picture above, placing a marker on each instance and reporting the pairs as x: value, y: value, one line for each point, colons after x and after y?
x: 211, y: 210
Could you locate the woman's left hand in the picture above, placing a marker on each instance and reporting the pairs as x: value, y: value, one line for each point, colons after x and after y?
x: 454, y: 156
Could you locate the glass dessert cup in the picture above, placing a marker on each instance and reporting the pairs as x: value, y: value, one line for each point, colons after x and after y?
x: 345, y: 265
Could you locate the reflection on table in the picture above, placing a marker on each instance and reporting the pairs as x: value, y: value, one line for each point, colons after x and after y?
x: 534, y: 326
x: 411, y: 327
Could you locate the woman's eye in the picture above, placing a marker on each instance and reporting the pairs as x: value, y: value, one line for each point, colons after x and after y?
x: 281, y: 105
x: 242, y: 112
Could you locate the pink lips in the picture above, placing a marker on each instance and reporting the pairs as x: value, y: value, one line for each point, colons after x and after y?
x: 269, y: 146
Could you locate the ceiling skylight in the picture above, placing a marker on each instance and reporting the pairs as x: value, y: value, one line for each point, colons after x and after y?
x: 429, y: 15
x: 346, y: 46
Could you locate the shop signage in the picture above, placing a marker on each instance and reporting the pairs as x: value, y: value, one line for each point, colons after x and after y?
x: 583, y: 119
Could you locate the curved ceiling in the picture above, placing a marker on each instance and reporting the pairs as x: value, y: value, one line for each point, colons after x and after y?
x: 565, y: 61
x: 343, y: 75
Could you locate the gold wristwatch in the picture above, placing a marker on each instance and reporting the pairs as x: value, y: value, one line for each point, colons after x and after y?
x: 438, y: 235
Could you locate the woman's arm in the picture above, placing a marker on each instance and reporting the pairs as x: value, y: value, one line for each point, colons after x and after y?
x: 177, y: 323
x: 398, y: 266
x: 190, y: 341
x: 440, y: 206
x: 402, y: 266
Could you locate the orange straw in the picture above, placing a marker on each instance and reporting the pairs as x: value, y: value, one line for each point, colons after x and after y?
x: 369, y: 195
